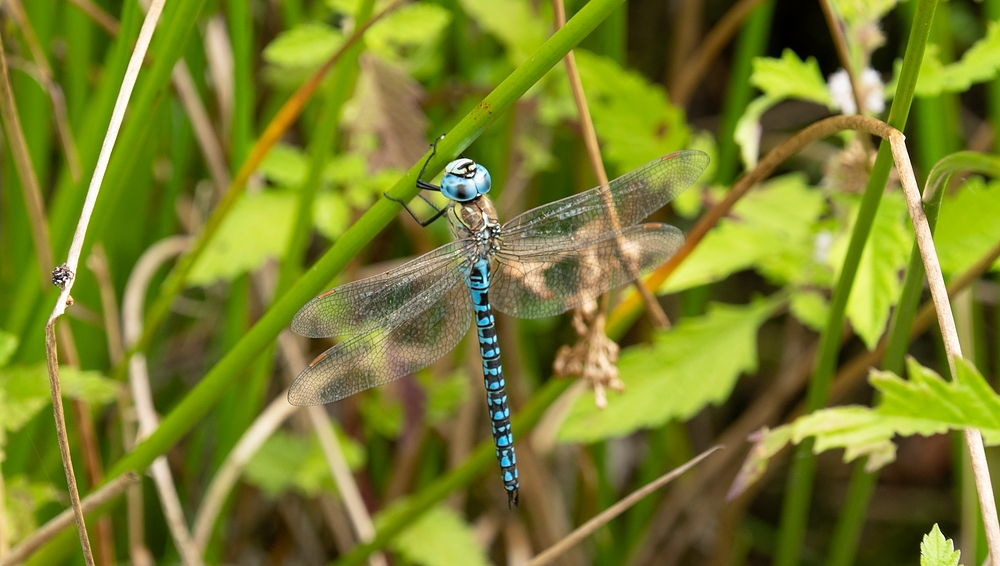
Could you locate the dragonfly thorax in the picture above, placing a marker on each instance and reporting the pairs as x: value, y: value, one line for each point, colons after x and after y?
x: 465, y: 180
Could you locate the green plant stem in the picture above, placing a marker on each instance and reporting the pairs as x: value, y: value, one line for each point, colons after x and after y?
x: 201, y: 399
x: 241, y: 36
x: 795, y: 510
x: 751, y: 43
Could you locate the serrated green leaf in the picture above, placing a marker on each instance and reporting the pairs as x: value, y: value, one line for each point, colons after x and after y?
x: 26, y: 391
x: 440, y: 538
x: 770, y: 229
x: 257, y: 229
x: 790, y: 77
x: 304, y: 46
x: 8, y: 345
x: 978, y: 64
x: 685, y: 369
x: 514, y: 23
x: 967, y: 225
x: 292, y: 462
x: 925, y: 404
x: 878, y: 281
x: 936, y: 550
x: 634, y: 118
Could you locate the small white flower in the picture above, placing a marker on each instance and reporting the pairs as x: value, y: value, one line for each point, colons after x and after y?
x: 821, y: 246
x: 870, y: 87
x: 839, y: 85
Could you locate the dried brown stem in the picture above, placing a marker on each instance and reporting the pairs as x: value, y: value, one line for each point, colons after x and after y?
x: 602, y: 518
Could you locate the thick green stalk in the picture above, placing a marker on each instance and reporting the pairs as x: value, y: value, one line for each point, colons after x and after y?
x: 795, y: 511
x: 751, y: 43
x: 201, y: 399
x: 241, y: 36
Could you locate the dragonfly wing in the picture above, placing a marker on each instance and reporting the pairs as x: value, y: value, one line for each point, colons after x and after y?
x: 362, y: 305
x: 543, y: 277
x: 634, y: 196
x: 409, y: 339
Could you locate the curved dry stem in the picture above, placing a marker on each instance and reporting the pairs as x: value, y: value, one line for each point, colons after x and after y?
x: 142, y: 397
x: 208, y: 142
x: 35, y: 540
x: 229, y: 472
x: 602, y: 518
x: 715, y: 40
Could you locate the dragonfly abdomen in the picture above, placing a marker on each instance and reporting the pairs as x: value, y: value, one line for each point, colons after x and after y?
x: 496, y: 395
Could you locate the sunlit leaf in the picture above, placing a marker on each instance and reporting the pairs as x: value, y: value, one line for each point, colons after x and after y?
x: 936, y: 550
x: 285, y: 165
x: 878, y: 281
x: 633, y: 117
x: 979, y: 64
x: 967, y: 225
x: 748, y: 129
x: 857, y: 12
x: 306, y: 45
x: 925, y: 404
x: 790, y: 77
x: 409, y: 34
x: 22, y: 500
x: 811, y: 308
x: 257, y: 229
x: 770, y: 229
x: 444, y: 394
x: 440, y: 538
x: 694, y: 364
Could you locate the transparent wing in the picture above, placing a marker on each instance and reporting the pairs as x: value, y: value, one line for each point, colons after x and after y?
x: 634, y: 196
x: 546, y: 276
x: 362, y: 305
x: 410, y: 338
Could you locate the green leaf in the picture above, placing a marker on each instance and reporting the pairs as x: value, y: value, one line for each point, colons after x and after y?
x: 935, y: 550
x: 26, y: 391
x: 285, y: 165
x: 304, y: 46
x: 514, y: 23
x: 444, y: 395
x: 257, y: 229
x: 684, y: 370
x: 22, y: 500
x: 979, y: 64
x: 811, y: 308
x: 8, y: 345
x: 790, y: 77
x: 925, y: 404
x: 877, y: 284
x: 412, y: 32
x: 292, y: 462
x: 440, y: 538
x: 770, y: 229
x: 967, y: 226
x: 633, y: 117
x: 747, y: 131
x: 859, y: 12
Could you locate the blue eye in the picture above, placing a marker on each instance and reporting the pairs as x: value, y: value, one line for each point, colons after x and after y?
x: 464, y: 180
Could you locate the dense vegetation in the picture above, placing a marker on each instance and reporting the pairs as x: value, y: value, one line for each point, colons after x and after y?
x: 247, y: 177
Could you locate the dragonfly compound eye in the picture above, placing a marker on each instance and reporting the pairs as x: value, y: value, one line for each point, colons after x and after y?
x: 464, y: 180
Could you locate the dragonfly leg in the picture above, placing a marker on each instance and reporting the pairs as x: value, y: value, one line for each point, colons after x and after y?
x: 420, y: 178
x: 438, y: 212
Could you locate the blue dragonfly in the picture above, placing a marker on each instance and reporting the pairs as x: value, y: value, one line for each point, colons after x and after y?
x: 541, y: 263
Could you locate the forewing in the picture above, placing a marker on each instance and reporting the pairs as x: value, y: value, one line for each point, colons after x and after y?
x: 546, y: 277
x: 409, y: 339
x: 633, y: 196
x: 360, y: 306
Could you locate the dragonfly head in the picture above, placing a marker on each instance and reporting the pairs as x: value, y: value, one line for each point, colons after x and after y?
x: 464, y: 180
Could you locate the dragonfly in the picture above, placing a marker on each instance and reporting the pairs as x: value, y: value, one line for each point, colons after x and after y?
x: 542, y: 263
